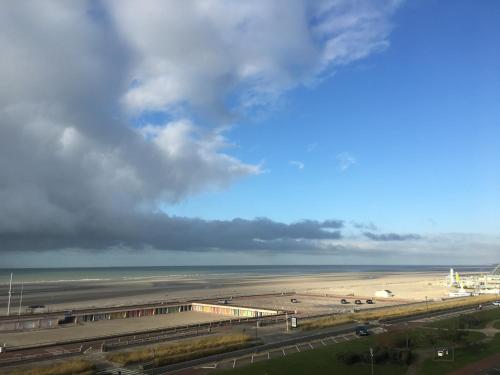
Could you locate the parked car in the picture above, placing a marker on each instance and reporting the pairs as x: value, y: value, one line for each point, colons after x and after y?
x: 369, y: 301
x: 293, y: 300
x: 343, y: 301
x: 496, y: 303
x: 362, y: 331
x: 358, y: 302
x: 442, y: 352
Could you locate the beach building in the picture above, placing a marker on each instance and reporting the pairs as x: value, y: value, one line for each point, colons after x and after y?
x: 236, y: 311
x: 384, y: 293
x: 54, y: 320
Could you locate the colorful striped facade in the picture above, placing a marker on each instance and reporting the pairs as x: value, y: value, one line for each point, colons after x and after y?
x: 235, y: 311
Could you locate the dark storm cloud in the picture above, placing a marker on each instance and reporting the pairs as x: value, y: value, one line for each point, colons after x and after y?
x: 175, y: 233
x: 392, y: 236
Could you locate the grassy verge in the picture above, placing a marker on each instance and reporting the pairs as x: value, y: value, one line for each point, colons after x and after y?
x: 76, y: 367
x: 182, y: 351
x: 463, y: 356
x: 320, y: 361
x: 476, y: 320
x: 394, y: 312
x: 497, y: 325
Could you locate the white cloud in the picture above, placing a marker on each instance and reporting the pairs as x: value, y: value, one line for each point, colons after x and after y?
x: 345, y: 160
x: 297, y: 164
x: 199, y: 53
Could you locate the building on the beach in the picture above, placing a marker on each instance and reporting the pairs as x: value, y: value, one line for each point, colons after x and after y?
x: 488, y: 283
x: 384, y: 293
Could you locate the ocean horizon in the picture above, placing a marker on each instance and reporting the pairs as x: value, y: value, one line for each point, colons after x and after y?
x: 82, y: 274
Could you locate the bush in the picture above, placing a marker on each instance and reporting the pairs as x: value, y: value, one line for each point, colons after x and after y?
x: 380, y: 356
x: 71, y: 367
x: 171, y: 353
x: 349, y: 358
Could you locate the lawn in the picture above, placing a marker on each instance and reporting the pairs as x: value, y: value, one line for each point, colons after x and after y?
x: 476, y: 320
x: 463, y: 356
x: 319, y: 361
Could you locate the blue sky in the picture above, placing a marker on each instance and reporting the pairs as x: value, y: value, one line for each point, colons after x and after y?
x: 259, y: 132
x: 420, y: 118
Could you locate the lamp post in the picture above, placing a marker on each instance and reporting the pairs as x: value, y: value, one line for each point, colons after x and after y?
x: 371, y: 357
x: 10, y: 295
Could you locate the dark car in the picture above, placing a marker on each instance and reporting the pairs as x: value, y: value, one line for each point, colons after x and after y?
x: 343, y: 301
x: 358, y: 302
x: 294, y: 300
x: 362, y: 331
x: 369, y: 301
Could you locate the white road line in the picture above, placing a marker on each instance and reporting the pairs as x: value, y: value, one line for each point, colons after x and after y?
x: 252, y: 359
x: 311, y: 346
x: 268, y: 355
x: 234, y: 363
x: 283, y: 350
x: 297, y: 348
x: 323, y: 342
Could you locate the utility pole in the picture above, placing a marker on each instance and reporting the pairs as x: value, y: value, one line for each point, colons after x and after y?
x: 286, y: 318
x: 21, y: 298
x: 426, y: 304
x: 371, y: 356
x: 256, y: 326
x: 10, y: 294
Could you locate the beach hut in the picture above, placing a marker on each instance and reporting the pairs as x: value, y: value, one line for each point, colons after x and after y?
x: 384, y: 293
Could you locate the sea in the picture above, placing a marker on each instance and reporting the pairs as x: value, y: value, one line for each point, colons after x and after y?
x: 45, y: 275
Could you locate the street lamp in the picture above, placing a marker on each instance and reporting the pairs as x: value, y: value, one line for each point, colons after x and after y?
x: 371, y: 356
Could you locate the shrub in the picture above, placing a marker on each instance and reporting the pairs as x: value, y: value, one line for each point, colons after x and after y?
x: 349, y: 358
x: 71, y: 367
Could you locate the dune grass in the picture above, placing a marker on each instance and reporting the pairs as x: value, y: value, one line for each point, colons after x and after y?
x: 394, y: 312
x: 70, y: 367
x: 182, y: 351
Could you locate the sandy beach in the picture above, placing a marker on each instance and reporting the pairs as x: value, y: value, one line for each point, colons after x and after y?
x: 101, y: 293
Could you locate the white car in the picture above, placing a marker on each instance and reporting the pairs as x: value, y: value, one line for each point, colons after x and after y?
x: 442, y: 352
x: 496, y: 303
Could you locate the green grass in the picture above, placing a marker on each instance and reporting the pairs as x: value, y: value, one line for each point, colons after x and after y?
x: 476, y: 320
x: 318, y: 362
x: 463, y: 357
x: 497, y: 325
x: 422, y: 338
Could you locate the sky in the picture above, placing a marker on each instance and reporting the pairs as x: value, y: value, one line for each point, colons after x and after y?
x: 257, y: 132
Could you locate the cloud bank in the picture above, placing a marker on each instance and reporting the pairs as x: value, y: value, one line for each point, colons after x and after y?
x: 78, y: 169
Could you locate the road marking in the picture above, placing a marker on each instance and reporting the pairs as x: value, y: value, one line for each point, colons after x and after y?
x: 283, y: 350
x: 297, y: 348
x: 323, y: 342
x: 268, y: 355
x: 252, y: 359
x: 311, y: 346
x: 234, y: 363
